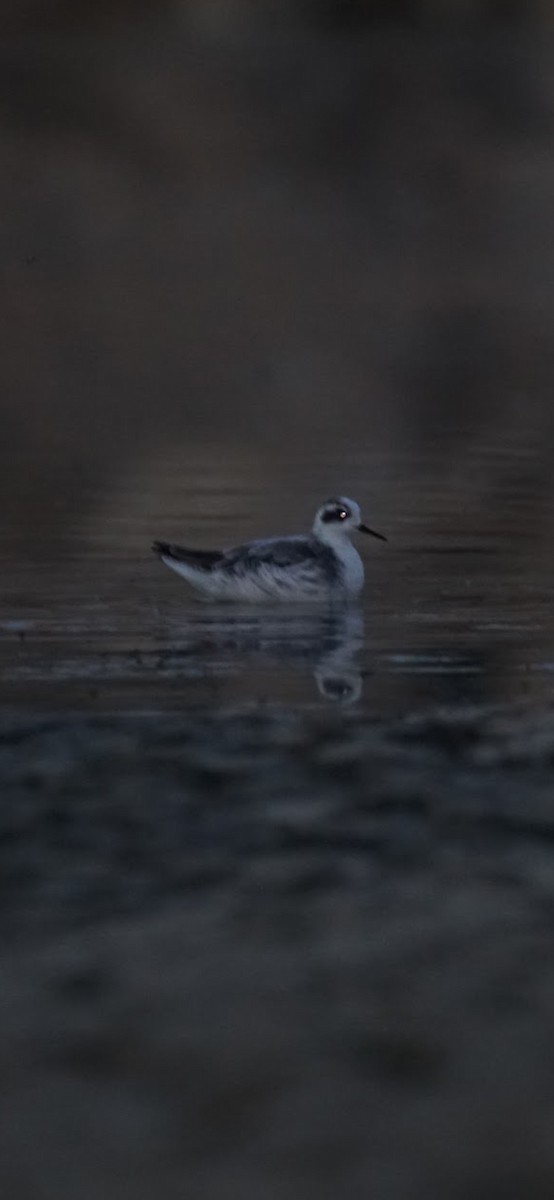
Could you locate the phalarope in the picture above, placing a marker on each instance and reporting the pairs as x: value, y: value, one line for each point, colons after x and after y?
x: 315, y: 566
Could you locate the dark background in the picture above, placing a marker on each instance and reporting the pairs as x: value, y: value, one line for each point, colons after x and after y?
x: 264, y: 230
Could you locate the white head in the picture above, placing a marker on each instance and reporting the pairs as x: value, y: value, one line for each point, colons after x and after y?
x: 340, y: 517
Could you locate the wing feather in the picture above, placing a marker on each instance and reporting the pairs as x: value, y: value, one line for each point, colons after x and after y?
x: 280, y: 553
x: 203, y: 559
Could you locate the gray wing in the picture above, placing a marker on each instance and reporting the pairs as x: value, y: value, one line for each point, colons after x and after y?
x: 291, y: 553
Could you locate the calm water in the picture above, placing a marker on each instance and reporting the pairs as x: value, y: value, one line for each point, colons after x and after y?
x: 458, y: 607
x: 248, y: 266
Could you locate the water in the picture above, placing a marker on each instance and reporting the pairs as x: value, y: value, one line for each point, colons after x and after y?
x: 458, y: 607
x: 309, y: 263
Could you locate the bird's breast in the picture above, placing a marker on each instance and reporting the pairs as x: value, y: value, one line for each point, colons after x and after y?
x: 352, y: 567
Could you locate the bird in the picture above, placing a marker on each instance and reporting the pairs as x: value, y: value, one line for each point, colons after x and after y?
x: 317, y: 566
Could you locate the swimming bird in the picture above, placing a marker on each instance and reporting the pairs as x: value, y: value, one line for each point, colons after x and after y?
x: 316, y: 566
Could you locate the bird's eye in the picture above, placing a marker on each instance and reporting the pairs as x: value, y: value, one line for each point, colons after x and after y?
x: 342, y: 514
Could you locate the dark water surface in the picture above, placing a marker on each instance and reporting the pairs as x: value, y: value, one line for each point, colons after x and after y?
x: 247, y: 267
x: 458, y: 607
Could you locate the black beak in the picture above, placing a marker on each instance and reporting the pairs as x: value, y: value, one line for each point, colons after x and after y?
x: 366, y: 529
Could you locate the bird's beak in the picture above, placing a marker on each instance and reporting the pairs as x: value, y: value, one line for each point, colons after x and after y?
x: 366, y: 529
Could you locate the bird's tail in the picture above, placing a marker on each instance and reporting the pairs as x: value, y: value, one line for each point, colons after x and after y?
x: 203, y: 560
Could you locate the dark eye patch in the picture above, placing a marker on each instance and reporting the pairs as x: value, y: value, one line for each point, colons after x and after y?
x: 335, y: 514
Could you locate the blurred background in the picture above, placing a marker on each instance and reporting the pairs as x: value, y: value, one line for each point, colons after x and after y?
x: 254, y: 253
x: 257, y: 252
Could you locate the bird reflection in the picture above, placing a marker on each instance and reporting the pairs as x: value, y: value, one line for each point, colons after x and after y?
x: 214, y: 646
x: 338, y: 675
x: 326, y: 642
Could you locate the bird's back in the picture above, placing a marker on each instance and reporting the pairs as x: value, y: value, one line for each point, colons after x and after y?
x: 288, y: 568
